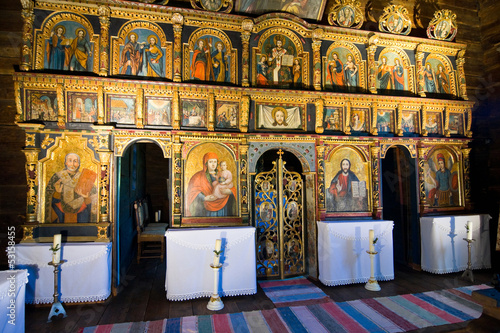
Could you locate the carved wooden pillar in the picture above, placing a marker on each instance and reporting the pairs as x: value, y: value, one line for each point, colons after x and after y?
x: 176, y: 116
x: 461, y: 74
x: 375, y: 159
x: 419, y: 61
x: 446, y: 129
x: 104, y: 15
x: 319, y: 103
x: 139, y: 108
x: 317, y: 36
x: 465, y: 154
x: 244, y: 177
x: 347, y: 120
x: 32, y: 181
x: 245, y: 111
x: 61, y: 111
x: 399, y: 115
x: 18, y: 86
x: 422, y: 152
x: 373, y: 126
x: 178, y: 21
x: 104, y: 181
x: 423, y: 131
x: 320, y: 151
x: 27, y: 45
x: 468, y: 132
x: 247, y: 26
x: 100, y: 105
x: 372, y: 65
x: 211, y: 112
x: 177, y: 181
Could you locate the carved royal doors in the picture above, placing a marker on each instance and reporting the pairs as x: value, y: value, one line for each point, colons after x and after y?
x: 280, y: 222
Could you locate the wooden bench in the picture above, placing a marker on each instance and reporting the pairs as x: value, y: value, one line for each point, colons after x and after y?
x: 150, y: 236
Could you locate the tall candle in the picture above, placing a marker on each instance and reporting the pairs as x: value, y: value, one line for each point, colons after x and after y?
x: 469, y: 229
x: 217, y: 249
x: 370, y: 239
x: 56, y: 256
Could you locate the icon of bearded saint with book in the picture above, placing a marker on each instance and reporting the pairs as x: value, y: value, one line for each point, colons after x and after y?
x: 71, y: 193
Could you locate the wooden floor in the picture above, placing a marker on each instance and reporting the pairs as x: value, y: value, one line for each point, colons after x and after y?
x: 142, y: 298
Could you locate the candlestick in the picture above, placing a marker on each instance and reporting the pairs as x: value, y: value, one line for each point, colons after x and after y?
x: 57, y: 307
x: 56, y: 249
x: 372, y: 283
x: 215, y: 303
x: 469, y: 230
x: 218, y: 245
x: 371, y: 236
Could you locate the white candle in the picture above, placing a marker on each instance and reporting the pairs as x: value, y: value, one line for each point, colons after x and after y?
x: 469, y: 230
x: 217, y: 250
x: 370, y: 239
x: 56, y: 256
x: 156, y: 217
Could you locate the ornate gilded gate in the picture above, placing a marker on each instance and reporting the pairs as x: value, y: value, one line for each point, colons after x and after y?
x: 280, y: 222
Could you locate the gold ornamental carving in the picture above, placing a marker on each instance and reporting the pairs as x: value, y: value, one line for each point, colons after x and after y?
x: 102, y: 232
x: 104, y: 20
x: 32, y: 182
x: 319, y: 103
x: 176, y: 113
x: 28, y: 16
x: 178, y: 21
x: 223, y: 6
x: 462, y: 87
x: 28, y: 233
x: 395, y: 20
x: 139, y: 108
x: 372, y: 65
x: 245, y: 111
x: 104, y: 185
x: 443, y: 26
x: 316, y: 46
x: 18, y: 85
x: 346, y: 14
x: 246, y: 26
x: 211, y: 112
x: 61, y: 111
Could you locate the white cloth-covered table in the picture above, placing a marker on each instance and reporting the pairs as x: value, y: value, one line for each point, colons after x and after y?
x: 444, y: 249
x: 12, y: 297
x: 342, y: 247
x: 85, y: 276
x: 190, y: 253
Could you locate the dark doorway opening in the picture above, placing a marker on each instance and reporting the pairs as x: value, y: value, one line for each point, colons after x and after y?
x: 400, y: 202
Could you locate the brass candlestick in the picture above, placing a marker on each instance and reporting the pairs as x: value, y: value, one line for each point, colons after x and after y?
x: 372, y: 283
x: 215, y: 303
x: 467, y: 274
x: 57, y: 307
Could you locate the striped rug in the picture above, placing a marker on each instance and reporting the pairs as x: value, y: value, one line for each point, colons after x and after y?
x: 382, y: 314
x: 293, y: 292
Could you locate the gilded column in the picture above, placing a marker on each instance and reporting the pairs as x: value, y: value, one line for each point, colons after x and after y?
x: 178, y: 21
x: 211, y: 112
x: 19, y: 105
x: 375, y: 157
x: 245, y: 111
x: 320, y: 151
x: 422, y: 152
x: 373, y: 127
x: 372, y: 65
x: 468, y: 132
x: 320, y: 104
x: 139, y: 108
x: 347, y: 120
x: 61, y: 111
x: 27, y: 45
x: 247, y: 26
x: 176, y: 116
x: 104, y: 181
x: 32, y: 181
x: 104, y: 15
x: 423, y: 131
x: 317, y: 36
x: 419, y: 61
x: 446, y: 123
x: 399, y: 114
x: 100, y: 105
x: 461, y: 74
x: 465, y: 154
x: 244, y: 176
x: 177, y: 173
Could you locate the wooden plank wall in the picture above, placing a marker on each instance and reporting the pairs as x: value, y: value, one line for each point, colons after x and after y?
x: 477, y: 27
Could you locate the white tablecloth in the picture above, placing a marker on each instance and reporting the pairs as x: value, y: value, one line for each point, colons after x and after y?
x: 190, y: 253
x: 12, y: 296
x: 443, y: 247
x: 342, y: 250
x: 85, y: 276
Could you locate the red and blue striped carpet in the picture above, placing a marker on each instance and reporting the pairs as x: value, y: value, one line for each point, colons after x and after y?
x: 400, y: 313
x: 293, y: 292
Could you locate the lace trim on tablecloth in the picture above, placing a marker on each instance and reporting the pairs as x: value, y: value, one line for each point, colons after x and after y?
x: 185, y: 297
x: 177, y: 240
x: 83, y: 260
x: 331, y: 283
x: 76, y: 299
x: 353, y: 238
x: 20, y: 279
x: 454, y: 270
